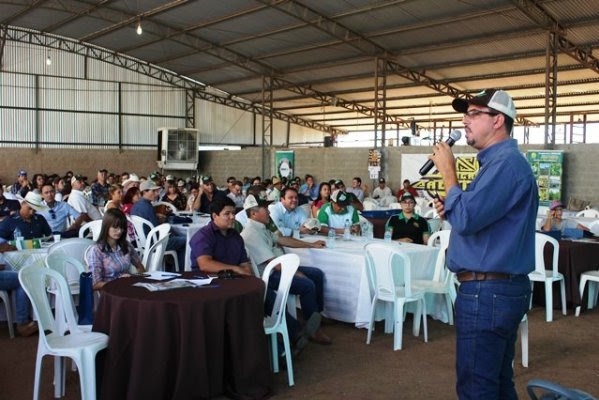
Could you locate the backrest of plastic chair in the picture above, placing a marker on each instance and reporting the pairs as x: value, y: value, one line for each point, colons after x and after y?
x: 69, y: 267
x: 391, y: 269
x: 443, y: 238
x: 34, y: 280
x: 395, y: 206
x: 369, y: 205
x: 156, y: 233
x: 588, y: 213
x: 255, y: 269
x: 153, y: 256
x: 289, y: 264
x: 551, y: 390
x: 74, y: 247
x: 91, y: 228
x: 140, y: 225
x: 540, y: 241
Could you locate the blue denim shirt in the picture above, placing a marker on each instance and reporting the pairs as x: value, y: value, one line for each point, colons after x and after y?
x: 493, y: 220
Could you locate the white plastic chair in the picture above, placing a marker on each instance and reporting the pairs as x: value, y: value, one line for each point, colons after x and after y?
x: 5, y: 297
x: 395, y: 206
x: 524, y: 340
x: 159, y: 232
x: 381, y: 261
x: 592, y: 277
x: 74, y: 247
x: 540, y: 274
x: 432, y: 213
x: 276, y: 322
x: 91, y: 230
x: 369, y: 204
x: 443, y: 279
x: 141, y: 225
x: 70, y: 268
x: 153, y: 257
x: 588, y: 213
x: 81, y: 346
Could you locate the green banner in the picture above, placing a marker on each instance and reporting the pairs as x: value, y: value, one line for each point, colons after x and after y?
x: 547, y: 167
x: 285, y: 164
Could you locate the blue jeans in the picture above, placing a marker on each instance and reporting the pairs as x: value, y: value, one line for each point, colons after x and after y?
x: 488, y: 314
x: 9, y: 280
x: 309, y: 288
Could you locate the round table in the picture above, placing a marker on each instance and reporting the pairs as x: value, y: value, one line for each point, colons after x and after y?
x: 189, y: 343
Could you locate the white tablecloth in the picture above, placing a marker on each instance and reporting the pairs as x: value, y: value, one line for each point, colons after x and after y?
x: 347, y: 294
x: 188, y: 230
x: 22, y: 258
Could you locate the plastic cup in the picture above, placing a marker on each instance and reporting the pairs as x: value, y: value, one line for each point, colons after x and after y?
x: 56, y: 238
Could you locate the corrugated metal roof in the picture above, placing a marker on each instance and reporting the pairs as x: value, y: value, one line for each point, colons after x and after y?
x: 327, y: 50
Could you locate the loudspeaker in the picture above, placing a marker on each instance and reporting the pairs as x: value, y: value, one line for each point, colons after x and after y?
x: 328, y: 141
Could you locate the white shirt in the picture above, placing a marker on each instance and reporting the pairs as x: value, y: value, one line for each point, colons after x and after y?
x: 260, y: 243
x: 379, y: 193
x: 80, y: 203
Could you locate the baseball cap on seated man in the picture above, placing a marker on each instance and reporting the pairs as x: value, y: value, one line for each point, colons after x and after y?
x: 495, y: 99
x: 22, y: 172
x: 406, y: 196
x: 78, y: 178
x: 555, y: 204
x: 381, y: 180
x: 148, y: 185
x: 340, y: 197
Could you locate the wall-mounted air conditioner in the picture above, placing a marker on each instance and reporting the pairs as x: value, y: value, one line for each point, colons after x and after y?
x: 177, y: 148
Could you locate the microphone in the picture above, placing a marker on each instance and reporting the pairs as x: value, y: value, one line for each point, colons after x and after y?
x: 453, y: 137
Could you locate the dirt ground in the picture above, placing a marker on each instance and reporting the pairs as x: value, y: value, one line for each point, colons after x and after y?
x: 564, y: 351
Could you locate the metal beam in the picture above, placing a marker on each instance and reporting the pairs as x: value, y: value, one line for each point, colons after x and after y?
x: 551, y: 88
x: 267, y: 122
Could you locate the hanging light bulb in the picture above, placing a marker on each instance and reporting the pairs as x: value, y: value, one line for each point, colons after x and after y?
x: 139, y: 30
x: 48, y: 60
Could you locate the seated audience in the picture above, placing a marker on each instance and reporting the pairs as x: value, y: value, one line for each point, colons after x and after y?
x: 58, y: 214
x: 8, y: 207
x: 324, y: 196
x: 100, y: 189
x: 335, y: 214
x: 21, y: 185
x: 115, y: 195
x: 556, y: 222
x: 26, y: 220
x: 352, y: 199
x: 408, y: 226
x: 9, y: 280
x: 144, y: 209
x: 236, y: 194
x: 113, y: 255
x: 383, y: 194
x: 356, y: 188
x: 407, y: 188
x: 79, y: 202
x: 174, y: 197
x: 264, y: 245
x: 286, y: 214
x: 131, y: 197
x: 309, y: 188
x: 207, y: 194
x: 275, y: 192
x: 194, y: 190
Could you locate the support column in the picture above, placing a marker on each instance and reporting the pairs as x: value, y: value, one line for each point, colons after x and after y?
x: 551, y: 87
x: 267, y: 105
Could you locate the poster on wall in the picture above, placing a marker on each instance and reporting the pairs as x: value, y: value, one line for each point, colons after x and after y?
x: 547, y: 167
x: 431, y: 184
x: 374, y: 163
x: 285, y: 163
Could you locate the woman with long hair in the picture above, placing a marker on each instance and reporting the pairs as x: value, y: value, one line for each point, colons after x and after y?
x: 116, y: 197
x: 113, y: 255
x: 131, y: 197
x: 324, y: 196
x: 174, y: 197
x: 39, y: 180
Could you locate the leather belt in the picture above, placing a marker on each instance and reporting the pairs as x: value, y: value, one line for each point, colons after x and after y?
x: 481, y: 276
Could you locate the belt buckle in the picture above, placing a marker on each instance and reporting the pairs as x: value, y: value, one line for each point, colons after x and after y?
x: 480, y: 276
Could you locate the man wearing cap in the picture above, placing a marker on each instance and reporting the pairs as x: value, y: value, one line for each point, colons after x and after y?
x: 286, y: 214
x: 21, y: 185
x: 264, y: 245
x: 407, y: 225
x: 352, y: 199
x: 79, y: 202
x: 100, y: 189
x: 8, y: 207
x: 275, y: 192
x: 57, y: 214
x: 492, y: 244
x: 555, y: 222
x: 30, y: 224
x: 382, y: 193
x: 207, y: 194
x: 335, y: 214
x: 144, y: 209
x: 407, y: 188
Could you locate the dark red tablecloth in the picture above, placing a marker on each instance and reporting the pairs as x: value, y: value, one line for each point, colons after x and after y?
x: 574, y: 259
x: 192, y: 343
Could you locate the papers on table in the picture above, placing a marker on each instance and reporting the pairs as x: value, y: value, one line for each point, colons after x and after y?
x: 160, y: 276
x: 174, y: 283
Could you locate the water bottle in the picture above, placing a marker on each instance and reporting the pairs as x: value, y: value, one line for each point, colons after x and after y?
x: 347, y: 230
x: 18, y: 239
x: 388, y: 234
x: 331, y: 238
x: 370, y: 235
x: 296, y: 231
